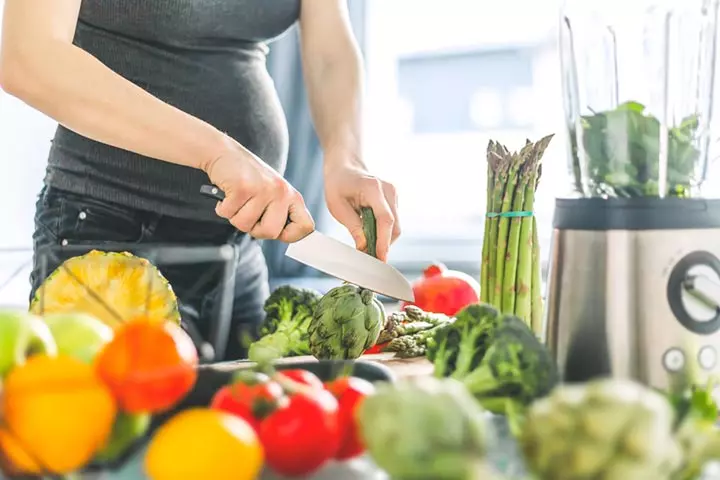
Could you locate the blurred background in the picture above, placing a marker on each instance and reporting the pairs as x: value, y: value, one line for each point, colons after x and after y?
x: 443, y: 77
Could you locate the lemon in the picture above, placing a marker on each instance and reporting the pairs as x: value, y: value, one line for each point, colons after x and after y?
x: 204, y: 443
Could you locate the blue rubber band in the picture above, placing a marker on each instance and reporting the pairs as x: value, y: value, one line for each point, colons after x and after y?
x: 509, y: 214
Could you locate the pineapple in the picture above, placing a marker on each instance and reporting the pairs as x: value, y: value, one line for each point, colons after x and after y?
x: 112, y: 286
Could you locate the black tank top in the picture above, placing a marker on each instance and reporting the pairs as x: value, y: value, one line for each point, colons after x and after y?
x: 205, y: 57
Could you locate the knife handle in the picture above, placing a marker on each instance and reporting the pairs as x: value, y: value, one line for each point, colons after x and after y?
x: 213, y: 192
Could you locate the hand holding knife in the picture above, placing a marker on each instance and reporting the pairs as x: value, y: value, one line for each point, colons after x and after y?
x: 342, y: 261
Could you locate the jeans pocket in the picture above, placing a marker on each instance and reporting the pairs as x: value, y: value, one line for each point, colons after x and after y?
x: 86, y: 221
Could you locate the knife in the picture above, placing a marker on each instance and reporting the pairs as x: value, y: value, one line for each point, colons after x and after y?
x: 341, y: 261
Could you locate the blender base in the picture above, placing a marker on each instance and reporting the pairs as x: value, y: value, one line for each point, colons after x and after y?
x: 631, y: 290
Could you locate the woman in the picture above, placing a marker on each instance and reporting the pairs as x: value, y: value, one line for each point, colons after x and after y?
x: 156, y: 97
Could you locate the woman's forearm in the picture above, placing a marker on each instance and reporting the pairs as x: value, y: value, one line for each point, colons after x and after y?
x: 81, y: 93
x: 335, y: 87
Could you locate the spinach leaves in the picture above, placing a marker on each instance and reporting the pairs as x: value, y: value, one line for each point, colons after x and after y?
x: 622, y: 149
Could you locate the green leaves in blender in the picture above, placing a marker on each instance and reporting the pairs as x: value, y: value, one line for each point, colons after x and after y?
x: 622, y: 150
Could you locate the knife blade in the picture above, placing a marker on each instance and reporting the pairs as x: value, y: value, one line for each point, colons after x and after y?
x: 341, y: 261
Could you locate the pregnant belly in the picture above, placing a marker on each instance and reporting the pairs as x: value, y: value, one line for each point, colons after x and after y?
x: 229, y: 88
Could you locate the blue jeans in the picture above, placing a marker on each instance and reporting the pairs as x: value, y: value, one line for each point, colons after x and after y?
x: 66, y: 219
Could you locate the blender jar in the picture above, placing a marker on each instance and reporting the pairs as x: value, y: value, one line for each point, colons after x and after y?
x: 638, y: 78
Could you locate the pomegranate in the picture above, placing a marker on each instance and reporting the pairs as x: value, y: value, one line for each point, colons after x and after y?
x: 441, y: 290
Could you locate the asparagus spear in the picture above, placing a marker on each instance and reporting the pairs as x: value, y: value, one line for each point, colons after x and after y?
x: 501, y: 160
x: 484, y: 271
x: 511, y: 258
x: 536, y: 317
x: 516, y: 161
x: 524, y: 280
x: 523, y: 301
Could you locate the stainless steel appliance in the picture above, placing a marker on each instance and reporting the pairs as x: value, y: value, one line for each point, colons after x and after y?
x: 634, y: 275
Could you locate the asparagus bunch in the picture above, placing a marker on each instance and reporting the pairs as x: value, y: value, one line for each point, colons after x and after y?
x: 510, y: 277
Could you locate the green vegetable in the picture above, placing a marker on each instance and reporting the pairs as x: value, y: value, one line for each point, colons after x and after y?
x: 284, y: 331
x: 406, y: 332
x: 127, y: 430
x: 348, y: 319
x: 621, y: 154
x: 609, y: 429
x: 497, y: 357
x: 347, y: 322
x: 408, y: 321
x: 619, y: 430
x: 426, y: 429
x: 696, y: 431
x: 509, y: 250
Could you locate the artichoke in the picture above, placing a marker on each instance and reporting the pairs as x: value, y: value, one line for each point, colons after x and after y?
x: 348, y: 319
x: 605, y: 429
x: 426, y: 428
x: 346, y: 322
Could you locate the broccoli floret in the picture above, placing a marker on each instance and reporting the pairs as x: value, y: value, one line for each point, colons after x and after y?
x: 496, y: 356
x: 284, y: 331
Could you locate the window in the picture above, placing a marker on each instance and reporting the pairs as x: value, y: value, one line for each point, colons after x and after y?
x: 443, y: 79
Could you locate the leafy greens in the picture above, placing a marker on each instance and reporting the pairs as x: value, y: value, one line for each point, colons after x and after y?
x: 622, y: 149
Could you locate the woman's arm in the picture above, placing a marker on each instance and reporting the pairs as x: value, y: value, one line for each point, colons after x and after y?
x: 333, y: 71
x: 40, y: 65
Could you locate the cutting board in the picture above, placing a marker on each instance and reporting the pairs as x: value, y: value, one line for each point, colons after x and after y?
x: 401, y: 367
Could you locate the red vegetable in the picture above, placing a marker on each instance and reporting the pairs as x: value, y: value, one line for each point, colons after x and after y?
x: 444, y: 291
x: 302, y: 376
x: 251, y: 396
x: 376, y: 348
x: 303, y: 435
x: 349, y: 392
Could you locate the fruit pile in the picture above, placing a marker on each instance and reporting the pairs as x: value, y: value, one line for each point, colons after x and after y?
x: 76, y: 392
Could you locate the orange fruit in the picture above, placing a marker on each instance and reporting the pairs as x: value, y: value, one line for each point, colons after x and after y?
x: 14, y: 458
x: 204, y: 443
x: 57, y: 413
x: 148, y: 366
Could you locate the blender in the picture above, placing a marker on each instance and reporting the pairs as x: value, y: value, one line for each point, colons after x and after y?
x: 634, y: 273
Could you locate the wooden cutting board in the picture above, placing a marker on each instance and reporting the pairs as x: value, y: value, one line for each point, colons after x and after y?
x: 402, y: 367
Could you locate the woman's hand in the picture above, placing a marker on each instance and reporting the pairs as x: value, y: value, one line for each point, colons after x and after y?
x: 258, y: 200
x: 349, y: 186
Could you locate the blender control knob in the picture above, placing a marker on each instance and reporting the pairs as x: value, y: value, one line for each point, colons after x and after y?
x: 674, y: 360
x: 693, y: 292
x: 707, y: 357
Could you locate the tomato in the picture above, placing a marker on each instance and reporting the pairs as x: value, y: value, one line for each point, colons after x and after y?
x: 302, y: 376
x: 251, y: 396
x: 302, y: 435
x: 349, y: 392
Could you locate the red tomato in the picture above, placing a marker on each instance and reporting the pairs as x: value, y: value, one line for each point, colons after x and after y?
x: 303, y: 435
x: 302, y: 376
x: 251, y: 397
x: 349, y: 392
x: 440, y: 290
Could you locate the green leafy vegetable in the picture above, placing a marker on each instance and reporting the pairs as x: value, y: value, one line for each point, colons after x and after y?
x: 622, y: 153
